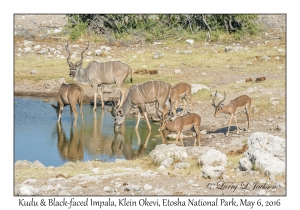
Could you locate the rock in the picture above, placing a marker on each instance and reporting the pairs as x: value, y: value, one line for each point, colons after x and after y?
x: 95, y: 170
x: 267, y: 152
x: 203, y: 132
x: 213, y: 158
x: 28, y: 43
x: 177, y: 71
x: 182, y: 165
x: 167, y: 162
x: 190, y: 41
x: 98, y: 52
x: 227, y: 49
x: 34, y: 72
x: 28, y: 190
x: 163, y: 152
x: 262, y: 192
x: 106, y: 189
x: 38, y: 47
x: 196, y: 152
x: 197, y: 87
x: 245, y: 164
x: 147, y: 187
x: 27, y: 49
x: 22, y: 164
x: 212, y: 172
x: 37, y: 164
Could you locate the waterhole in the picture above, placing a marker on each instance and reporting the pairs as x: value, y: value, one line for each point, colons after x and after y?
x: 38, y: 136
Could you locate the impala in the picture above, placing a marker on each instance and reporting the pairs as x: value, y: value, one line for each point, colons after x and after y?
x: 239, y: 104
x: 183, y: 123
x: 96, y: 74
x: 180, y: 91
x: 139, y: 95
x: 69, y: 94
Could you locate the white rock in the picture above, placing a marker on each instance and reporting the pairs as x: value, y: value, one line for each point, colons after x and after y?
x: 212, y: 172
x: 28, y: 190
x: 197, y: 87
x: 213, y: 158
x: 147, y: 187
x: 177, y: 71
x: 190, y: 41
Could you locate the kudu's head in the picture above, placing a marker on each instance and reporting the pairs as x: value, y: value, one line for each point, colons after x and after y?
x: 77, y: 65
x: 218, y: 107
x: 117, y: 113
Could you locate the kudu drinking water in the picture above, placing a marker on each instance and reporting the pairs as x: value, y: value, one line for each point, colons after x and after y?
x: 181, y: 91
x: 69, y: 94
x: 96, y: 74
x: 239, y: 104
x: 186, y: 122
x: 139, y: 95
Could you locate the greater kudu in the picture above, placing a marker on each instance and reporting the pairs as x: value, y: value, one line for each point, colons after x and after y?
x: 151, y: 91
x: 96, y: 74
x: 239, y: 104
x: 69, y: 94
x: 181, y: 91
x: 70, y: 149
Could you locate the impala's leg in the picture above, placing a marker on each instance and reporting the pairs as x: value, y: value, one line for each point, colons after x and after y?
x: 248, y: 117
x: 175, y: 108
x: 198, y: 137
x: 181, y: 139
x: 237, y: 128
x: 177, y: 137
x: 191, y: 103
x: 229, y: 125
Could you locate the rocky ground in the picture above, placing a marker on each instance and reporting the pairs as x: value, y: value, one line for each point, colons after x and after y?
x: 140, y: 181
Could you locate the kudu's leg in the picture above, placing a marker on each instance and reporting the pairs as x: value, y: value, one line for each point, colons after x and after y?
x: 101, y: 96
x: 61, y: 107
x: 81, y: 113
x: 198, y: 137
x: 146, y: 117
x: 122, y: 98
x: 73, y: 109
x: 138, y: 120
x: 95, y: 87
x: 181, y: 139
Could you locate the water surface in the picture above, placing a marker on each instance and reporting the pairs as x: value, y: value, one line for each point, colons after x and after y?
x: 38, y: 136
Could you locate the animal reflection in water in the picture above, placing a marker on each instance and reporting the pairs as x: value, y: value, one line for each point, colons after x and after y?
x: 119, y: 144
x: 69, y: 149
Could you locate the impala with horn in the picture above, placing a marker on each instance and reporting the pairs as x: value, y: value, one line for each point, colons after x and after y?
x: 186, y: 122
x: 139, y: 95
x: 96, y: 74
x: 181, y: 91
x: 69, y: 94
x: 239, y: 104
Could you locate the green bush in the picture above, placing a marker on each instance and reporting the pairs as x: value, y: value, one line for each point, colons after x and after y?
x: 163, y: 25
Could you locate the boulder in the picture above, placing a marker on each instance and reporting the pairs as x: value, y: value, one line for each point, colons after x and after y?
x: 163, y: 152
x: 212, y: 172
x: 213, y: 158
x: 267, y: 152
x: 197, y: 87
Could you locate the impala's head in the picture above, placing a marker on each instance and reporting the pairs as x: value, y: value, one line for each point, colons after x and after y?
x: 220, y: 105
x: 77, y: 65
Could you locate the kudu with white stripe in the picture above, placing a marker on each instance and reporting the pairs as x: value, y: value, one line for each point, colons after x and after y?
x: 139, y: 95
x: 239, y: 104
x: 96, y: 74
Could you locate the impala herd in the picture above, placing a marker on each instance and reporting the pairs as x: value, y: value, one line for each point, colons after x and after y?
x: 164, y: 96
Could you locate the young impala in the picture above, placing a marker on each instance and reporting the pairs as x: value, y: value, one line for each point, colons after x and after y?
x: 239, y: 104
